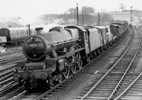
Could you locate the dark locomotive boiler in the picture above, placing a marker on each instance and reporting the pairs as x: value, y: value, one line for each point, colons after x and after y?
x: 37, y: 47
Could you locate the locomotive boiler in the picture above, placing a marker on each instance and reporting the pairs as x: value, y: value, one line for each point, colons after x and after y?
x: 52, y: 44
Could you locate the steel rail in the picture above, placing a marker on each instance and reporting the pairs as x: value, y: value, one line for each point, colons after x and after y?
x: 7, y: 87
x: 130, y: 85
x: 8, y: 75
x: 113, y: 66
x: 15, y: 94
x: 125, y: 73
x: 102, y: 78
x: 17, y: 97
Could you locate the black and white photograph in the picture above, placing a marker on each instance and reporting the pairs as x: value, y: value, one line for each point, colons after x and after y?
x: 70, y: 50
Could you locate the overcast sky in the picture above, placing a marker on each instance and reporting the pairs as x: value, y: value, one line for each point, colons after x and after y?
x: 30, y: 9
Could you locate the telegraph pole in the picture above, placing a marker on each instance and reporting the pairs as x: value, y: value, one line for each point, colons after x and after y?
x: 77, y: 14
x: 29, y: 29
x: 99, y: 19
x: 82, y: 17
x: 131, y: 14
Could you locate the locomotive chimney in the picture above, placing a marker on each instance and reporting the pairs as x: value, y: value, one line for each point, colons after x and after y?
x: 38, y: 30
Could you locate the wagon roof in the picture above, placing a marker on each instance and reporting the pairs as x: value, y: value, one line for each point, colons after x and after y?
x: 76, y: 26
x: 100, y: 27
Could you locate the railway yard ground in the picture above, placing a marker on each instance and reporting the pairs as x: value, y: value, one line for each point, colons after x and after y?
x: 73, y: 88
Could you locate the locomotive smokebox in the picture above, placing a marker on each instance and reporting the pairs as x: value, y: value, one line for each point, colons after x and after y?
x: 35, y: 48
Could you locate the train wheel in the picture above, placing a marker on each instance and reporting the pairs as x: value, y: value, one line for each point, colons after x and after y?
x: 50, y: 82
x: 94, y: 53
x: 74, y: 68
x: 61, y: 78
x: 79, y: 62
x: 88, y: 59
x: 67, y: 71
x: 98, y: 51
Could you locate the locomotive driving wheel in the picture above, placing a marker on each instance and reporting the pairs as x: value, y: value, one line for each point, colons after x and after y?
x: 79, y: 62
x: 74, y: 67
x: 50, y: 82
x: 67, y: 70
x: 88, y: 59
x: 76, y: 63
x: 60, y: 78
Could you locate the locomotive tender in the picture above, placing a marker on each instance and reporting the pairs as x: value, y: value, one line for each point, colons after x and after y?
x: 63, y: 51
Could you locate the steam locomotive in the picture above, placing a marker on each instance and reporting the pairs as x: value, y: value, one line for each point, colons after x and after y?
x: 63, y: 51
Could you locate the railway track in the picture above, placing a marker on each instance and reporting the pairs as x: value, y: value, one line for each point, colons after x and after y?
x: 8, y: 64
x: 8, y: 87
x: 7, y: 82
x: 114, y: 81
x: 6, y: 74
x: 15, y: 93
x: 133, y: 90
